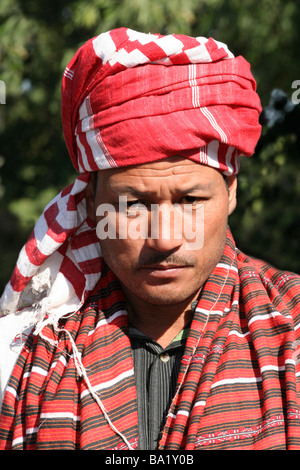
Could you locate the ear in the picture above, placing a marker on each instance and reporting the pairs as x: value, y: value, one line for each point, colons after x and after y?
x: 232, y: 188
x: 90, y: 197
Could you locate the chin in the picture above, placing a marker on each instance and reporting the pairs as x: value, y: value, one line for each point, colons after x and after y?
x: 165, y: 297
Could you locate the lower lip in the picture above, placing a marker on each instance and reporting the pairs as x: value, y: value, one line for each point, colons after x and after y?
x: 164, y: 273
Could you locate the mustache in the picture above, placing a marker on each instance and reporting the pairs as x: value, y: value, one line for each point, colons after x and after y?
x: 167, y: 258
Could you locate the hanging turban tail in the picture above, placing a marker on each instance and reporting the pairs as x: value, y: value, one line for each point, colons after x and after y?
x: 185, y: 96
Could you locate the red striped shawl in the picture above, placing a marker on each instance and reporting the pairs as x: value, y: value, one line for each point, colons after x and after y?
x: 238, y: 386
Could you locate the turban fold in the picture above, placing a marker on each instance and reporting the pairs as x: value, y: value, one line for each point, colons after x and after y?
x: 184, y: 96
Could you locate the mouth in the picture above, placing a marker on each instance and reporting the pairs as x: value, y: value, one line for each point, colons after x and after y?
x: 164, y: 270
x: 163, y: 266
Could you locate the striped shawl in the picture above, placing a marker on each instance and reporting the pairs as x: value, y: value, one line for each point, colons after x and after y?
x: 238, y: 385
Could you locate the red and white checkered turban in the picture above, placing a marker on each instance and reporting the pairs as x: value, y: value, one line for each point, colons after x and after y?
x: 185, y: 96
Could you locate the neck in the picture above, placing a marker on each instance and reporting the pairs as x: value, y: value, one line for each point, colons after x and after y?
x: 160, y: 322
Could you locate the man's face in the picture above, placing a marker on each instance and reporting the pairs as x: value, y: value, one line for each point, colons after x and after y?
x: 160, y: 267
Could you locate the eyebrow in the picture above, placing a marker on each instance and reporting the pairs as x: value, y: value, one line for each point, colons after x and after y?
x: 198, y: 187
x: 188, y: 190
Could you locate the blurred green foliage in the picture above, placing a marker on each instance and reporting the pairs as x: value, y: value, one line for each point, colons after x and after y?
x: 38, y: 38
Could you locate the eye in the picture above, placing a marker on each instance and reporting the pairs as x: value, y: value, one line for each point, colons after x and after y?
x: 135, y: 202
x: 191, y: 199
x: 135, y: 208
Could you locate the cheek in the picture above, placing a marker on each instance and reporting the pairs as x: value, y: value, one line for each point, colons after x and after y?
x: 120, y: 255
x: 120, y: 249
x: 113, y: 250
x: 215, y: 229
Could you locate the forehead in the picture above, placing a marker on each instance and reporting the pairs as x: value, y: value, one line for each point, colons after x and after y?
x: 174, y: 170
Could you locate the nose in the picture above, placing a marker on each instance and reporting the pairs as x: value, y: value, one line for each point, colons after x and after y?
x: 165, y: 232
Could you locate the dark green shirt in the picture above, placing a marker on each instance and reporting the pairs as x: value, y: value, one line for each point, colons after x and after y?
x: 156, y: 372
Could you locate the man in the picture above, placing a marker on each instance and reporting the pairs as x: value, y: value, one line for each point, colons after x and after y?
x: 168, y: 337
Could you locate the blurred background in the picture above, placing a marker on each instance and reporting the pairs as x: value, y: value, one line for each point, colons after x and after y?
x: 39, y: 37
